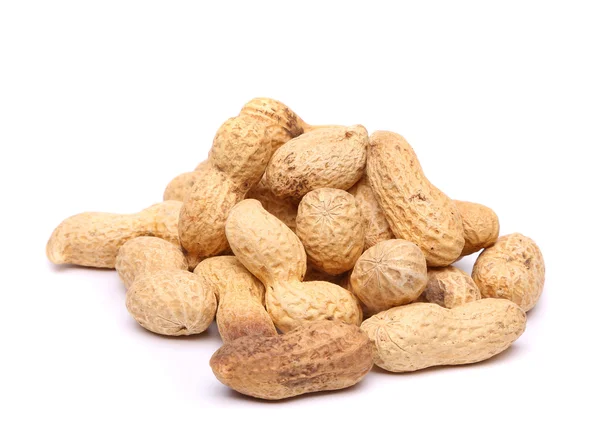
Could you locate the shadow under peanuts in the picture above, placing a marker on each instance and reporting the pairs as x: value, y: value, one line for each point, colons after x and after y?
x: 71, y: 268
x: 210, y: 334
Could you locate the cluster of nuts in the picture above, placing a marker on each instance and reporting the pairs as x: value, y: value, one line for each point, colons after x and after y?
x: 290, y: 235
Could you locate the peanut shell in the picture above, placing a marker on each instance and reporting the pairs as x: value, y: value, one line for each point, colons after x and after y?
x: 480, y: 226
x: 449, y: 287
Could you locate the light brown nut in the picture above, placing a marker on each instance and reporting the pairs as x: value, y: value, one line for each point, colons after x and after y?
x: 330, y: 226
x: 391, y: 273
x: 420, y: 335
x: 480, y: 225
x: 172, y: 302
x: 415, y: 209
x: 93, y: 239
x: 513, y: 268
x: 376, y: 226
x: 323, y: 355
x: 240, y: 296
x: 449, y: 287
x: 284, y: 209
x: 329, y: 157
x: 275, y: 255
x: 181, y: 185
x: 143, y: 255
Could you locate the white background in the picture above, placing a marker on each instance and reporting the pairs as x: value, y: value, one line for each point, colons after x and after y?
x: 102, y: 103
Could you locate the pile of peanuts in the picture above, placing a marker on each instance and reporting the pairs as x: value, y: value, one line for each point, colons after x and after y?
x: 320, y: 251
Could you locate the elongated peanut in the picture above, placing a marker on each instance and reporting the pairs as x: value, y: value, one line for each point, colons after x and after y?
x: 240, y: 296
x: 331, y: 228
x: 420, y: 335
x: 376, y: 226
x: 415, y: 209
x: 328, y: 157
x: 143, y: 255
x: 391, y: 273
x: 480, y: 226
x: 323, y: 355
x: 171, y: 302
x: 449, y: 287
x: 284, y: 209
x: 93, y: 239
x: 275, y: 255
x: 513, y: 268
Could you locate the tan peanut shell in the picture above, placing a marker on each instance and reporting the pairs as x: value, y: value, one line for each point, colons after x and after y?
x: 143, y: 255
x: 171, y: 302
x: 513, y: 268
x: 480, y: 226
x: 181, y: 185
x: 240, y: 295
x: 420, y: 335
x: 93, y: 239
x: 323, y: 355
x: 275, y: 255
x: 376, y: 226
x: 391, y: 273
x: 415, y: 209
x: 331, y: 228
x: 284, y: 209
x: 328, y: 157
x: 449, y: 287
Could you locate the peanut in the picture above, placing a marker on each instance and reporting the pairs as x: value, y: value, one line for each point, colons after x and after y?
x: 284, y: 209
x: 93, y: 239
x: 449, y: 287
x: 415, y: 209
x: 143, y: 255
x: 330, y: 226
x: 329, y: 157
x: 275, y: 255
x: 480, y: 226
x: 391, y: 273
x: 181, y: 185
x: 420, y: 335
x: 513, y: 268
x: 171, y: 302
x: 240, y: 297
x: 376, y: 226
x: 323, y: 355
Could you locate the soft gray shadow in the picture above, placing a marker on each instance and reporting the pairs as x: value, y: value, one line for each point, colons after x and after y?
x: 210, y: 333
x: 69, y: 268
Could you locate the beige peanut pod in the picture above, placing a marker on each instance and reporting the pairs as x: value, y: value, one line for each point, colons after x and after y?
x: 171, y: 302
x: 323, y: 355
x: 181, y: 185
x: 331, y: 228
x: 420, y: 335
x: 513, y: 268
x: 391, y: 273
x: 415, y: 209
x: 329, y: 157
x: 143, y: 255
x: 240, y: 296
x: 376, y: 226
x: 449, y: 287
x: 480, y: 225
x: 93, y: 239
x: 275, y: 255
x: 284, y: 209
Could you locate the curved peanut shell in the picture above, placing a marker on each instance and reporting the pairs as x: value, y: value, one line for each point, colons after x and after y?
x: 420, y: 335
x: 240, y: 295
x: 181, y: 185
x: 513, y: 268
x: 376, y: 226
x: 328, y: 157
x: 415, y: 209
x: 449, y: 287
x: 93, y: 239
x: 143, y: 255
x: 480, y: 225
x: 324, y: 355
x: 391, y: 273
x: 172, y: 302
x: 330, y: 226
x: 284, y: 209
